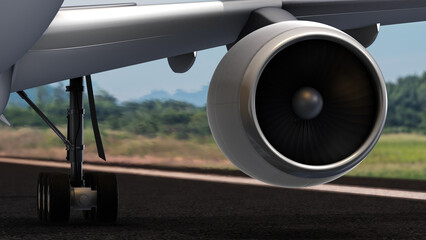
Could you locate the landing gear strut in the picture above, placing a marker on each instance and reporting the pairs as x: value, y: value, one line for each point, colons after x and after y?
x: 95, y: 194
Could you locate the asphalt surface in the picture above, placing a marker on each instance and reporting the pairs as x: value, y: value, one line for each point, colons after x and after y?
x: 166, y: 208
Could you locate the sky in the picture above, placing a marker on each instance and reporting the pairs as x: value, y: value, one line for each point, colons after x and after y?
x: 399, y: 50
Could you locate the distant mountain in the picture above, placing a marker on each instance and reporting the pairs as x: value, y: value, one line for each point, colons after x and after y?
x: 198, y: 98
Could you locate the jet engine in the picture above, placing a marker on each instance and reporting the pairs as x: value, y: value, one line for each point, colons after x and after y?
x: 297, y: 104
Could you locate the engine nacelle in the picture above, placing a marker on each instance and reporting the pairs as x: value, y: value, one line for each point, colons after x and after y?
x: 297, y: 104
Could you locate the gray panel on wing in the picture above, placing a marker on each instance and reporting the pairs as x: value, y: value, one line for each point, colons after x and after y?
x: 348, y: 14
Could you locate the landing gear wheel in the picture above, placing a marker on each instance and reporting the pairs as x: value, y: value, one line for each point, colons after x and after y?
x: 53, y: 197
x: 58, y: 198
x: 40, y: 196
x: 107, y: 197
x: 107, y: 204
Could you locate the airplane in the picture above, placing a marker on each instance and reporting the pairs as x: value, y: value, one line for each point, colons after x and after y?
x: 296, y: 101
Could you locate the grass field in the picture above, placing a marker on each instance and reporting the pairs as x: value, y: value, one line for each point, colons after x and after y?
x: 395, y: 156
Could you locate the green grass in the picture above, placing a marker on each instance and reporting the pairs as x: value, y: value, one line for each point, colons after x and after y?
x: 395, y: 155
x: 116, y: 142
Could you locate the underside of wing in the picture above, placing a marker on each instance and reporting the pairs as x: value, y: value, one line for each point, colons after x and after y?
x: 348, y: 14
x: 95, y: 39
x: 98, y: 38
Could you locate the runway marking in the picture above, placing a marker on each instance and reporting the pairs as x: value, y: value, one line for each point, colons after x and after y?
x: 376, y: 192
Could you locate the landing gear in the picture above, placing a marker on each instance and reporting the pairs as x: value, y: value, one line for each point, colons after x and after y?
x: 95, y: 194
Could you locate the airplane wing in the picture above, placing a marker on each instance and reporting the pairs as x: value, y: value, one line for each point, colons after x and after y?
x: 98, y: 38
x: 349, y: 14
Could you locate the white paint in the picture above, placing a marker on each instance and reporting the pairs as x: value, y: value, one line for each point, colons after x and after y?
x: 375, y: 192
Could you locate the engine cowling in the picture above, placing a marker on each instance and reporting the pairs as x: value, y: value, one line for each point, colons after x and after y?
x: 297, y: 104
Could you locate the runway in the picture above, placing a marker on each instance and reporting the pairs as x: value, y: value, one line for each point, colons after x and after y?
x: 186, y: 204
x: 369, y: 191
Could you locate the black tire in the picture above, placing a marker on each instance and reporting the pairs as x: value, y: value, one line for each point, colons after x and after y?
x: 40, y: 196
x: 43, y: 186
x: 106, y: 186
x: 107, y: 204
x: 57, y: 198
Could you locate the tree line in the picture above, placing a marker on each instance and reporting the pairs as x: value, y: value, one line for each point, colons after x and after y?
x: 407, y: 105
x: 150, y: 118
x: 406, y: 112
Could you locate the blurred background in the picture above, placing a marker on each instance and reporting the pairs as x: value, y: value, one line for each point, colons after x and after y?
x: 151, y: 116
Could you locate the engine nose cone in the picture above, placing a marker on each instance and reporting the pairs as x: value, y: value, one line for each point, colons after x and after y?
x: 307, y: 103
